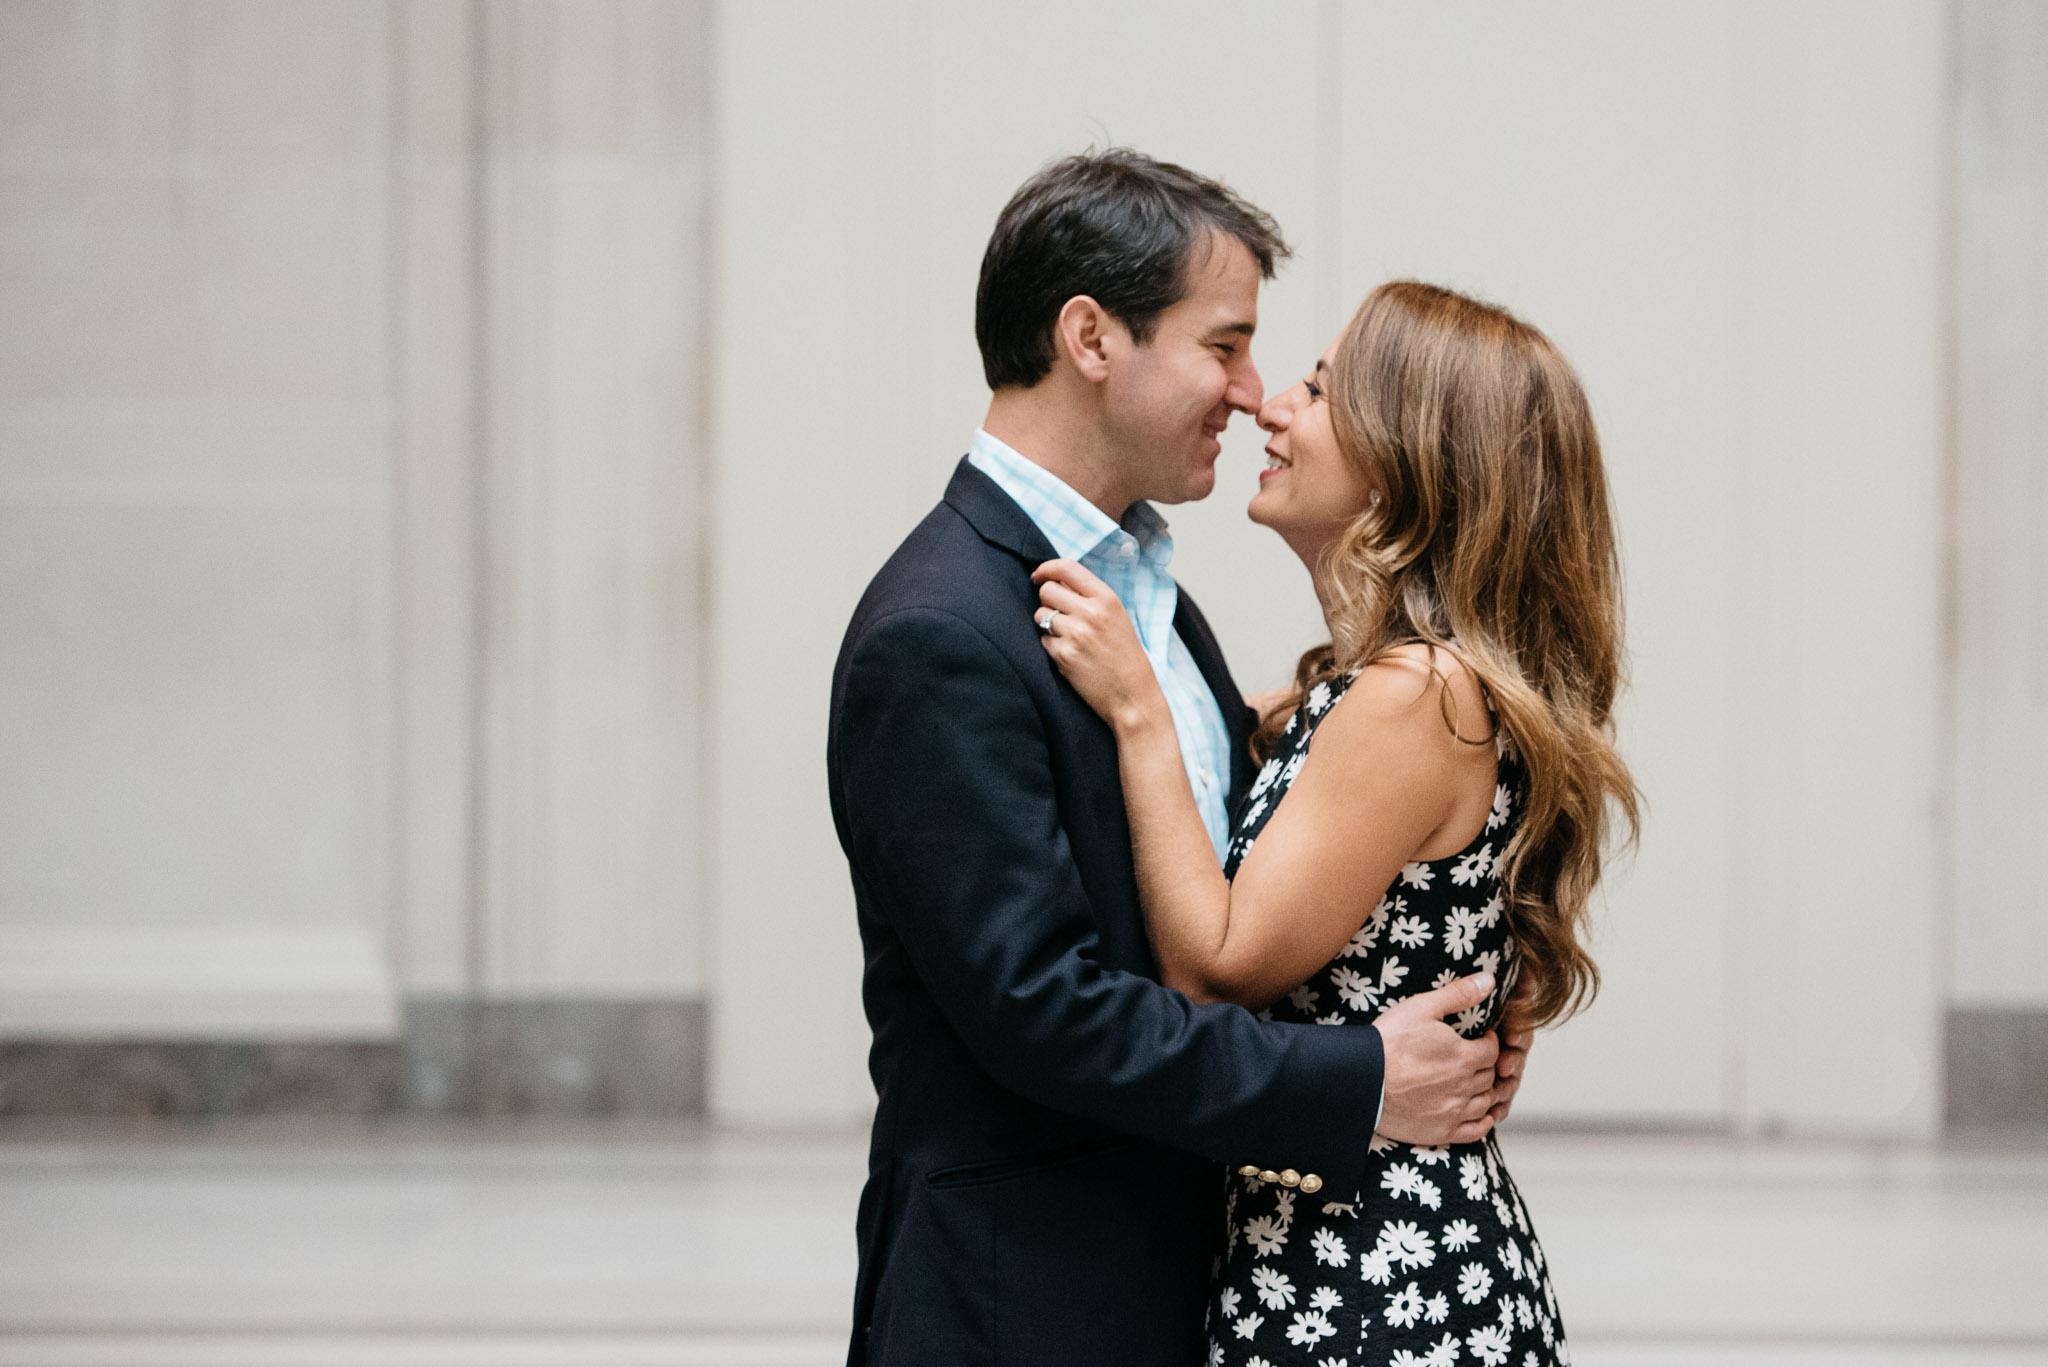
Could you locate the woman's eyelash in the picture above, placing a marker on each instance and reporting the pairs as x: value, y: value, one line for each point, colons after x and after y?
x: 1315, y: 391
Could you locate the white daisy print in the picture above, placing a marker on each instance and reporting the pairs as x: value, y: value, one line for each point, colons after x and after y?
x: 1329, y: 1248
x: 1227, y: 1299
x: 1303, y: 998
x: 1268, y: 771
x: 1275, y: 1289
x: 1501, y: 800
x: 1472, y: 1177
x: 1459, y: 1234
x: 1437, y: 1308
x: 1340, y: 1208
x: 1489, y: 1343
x: 1461, y: 927
x: 1425, y: 1154
x: 1410, y: 932
x: 1474, y: 1282
x: 1443, y: 1353
x: 1489, y: 915
x: 1310, y: 1327
x: 1401, y: 1179
x: 1248, y: 1326
x: 1404, y: 1307
x: 1265, y: 1234
x: 1410, y: 1245
x: 1470, y: 868
x: 1318, y: 699
x: 1511, y: 1257
x: 1352, y: 987
x: 1377, y: 1266
x: 1325, y: 1299
x: 1417, y: 875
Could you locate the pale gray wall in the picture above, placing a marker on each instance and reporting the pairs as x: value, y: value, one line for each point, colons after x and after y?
x: 2001, y: 526
x: 350, y: 426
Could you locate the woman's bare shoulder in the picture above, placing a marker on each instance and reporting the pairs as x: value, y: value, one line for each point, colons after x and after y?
x: 1419, y: 686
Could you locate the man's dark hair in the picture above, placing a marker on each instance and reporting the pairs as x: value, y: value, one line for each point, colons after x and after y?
x: 1116, y: 226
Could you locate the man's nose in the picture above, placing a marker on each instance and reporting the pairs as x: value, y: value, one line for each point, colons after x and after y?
x: 1247, y: 393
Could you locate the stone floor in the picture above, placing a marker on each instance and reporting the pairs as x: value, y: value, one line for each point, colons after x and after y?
x: 448, y: 1247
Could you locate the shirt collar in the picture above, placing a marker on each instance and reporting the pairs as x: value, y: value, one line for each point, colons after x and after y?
x: 1073, y: 525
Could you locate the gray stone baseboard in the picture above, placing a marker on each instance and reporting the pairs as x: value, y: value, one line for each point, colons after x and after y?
x: 454, y: 1057
x: 1998, y: 1070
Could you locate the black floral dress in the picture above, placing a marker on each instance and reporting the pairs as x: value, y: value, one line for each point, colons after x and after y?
x: 1432, y: 1261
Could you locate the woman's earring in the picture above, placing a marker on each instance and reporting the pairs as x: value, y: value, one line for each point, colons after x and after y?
x: 1374, y: 501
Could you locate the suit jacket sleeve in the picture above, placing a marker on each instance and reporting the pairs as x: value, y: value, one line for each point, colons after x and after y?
x: 952, y: 823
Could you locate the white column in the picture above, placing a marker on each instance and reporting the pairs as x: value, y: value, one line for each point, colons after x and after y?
x: 812, y: 434
x: 592, y: 271
x: 194, y: 495
x: 2001, y: 419
x: 1837, y: 455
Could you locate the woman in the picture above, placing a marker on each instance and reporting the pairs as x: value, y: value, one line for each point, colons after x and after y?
x: 1439, y: 475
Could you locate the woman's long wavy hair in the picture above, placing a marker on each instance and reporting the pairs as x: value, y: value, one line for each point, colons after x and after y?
x: 1492, y: 540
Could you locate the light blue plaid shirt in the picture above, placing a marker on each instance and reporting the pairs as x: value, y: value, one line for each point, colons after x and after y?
x: 1132, y: 560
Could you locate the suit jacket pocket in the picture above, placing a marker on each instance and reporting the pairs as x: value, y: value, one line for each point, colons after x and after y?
x: 990, y: 1171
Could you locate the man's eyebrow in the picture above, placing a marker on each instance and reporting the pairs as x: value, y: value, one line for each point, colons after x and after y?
x: 1241, y: 329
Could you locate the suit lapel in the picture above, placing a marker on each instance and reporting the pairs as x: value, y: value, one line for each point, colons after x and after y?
x: 995, y: 515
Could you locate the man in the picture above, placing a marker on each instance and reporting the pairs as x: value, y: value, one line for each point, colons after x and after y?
x: 1043, y: 1182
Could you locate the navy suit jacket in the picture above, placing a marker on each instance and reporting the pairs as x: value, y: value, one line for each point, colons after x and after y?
x: 1044, y: 1183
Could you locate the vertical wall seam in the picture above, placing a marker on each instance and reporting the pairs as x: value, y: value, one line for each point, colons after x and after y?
x: 1948, y: 593
x: 1329, y: 311
x: 476, y: 815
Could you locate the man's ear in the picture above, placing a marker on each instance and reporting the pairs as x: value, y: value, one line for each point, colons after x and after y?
x: 1084, y: 334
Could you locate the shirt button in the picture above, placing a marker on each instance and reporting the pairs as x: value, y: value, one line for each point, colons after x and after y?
x: 1208, y: 779
x: 1128, y: 549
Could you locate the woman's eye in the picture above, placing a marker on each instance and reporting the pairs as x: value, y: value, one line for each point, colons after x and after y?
x: 1315, y: 391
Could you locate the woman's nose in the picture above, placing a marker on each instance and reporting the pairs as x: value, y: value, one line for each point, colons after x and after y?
x: 1273, y: 414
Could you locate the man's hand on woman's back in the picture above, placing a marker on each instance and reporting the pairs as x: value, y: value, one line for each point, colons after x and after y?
x: 1440, y: 1088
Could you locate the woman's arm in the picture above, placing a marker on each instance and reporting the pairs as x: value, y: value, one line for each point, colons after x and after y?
x: 1379, y: 784
x: 1181, y: 887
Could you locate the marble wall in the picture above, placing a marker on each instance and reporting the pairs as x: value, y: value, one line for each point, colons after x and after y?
x: 1998, y: 1048
x: 350, y: 561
